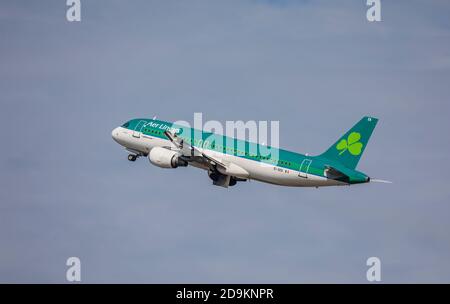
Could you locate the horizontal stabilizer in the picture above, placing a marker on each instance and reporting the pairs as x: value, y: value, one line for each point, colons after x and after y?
x: 333, y: 173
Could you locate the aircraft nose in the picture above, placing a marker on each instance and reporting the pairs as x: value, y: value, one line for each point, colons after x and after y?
x: 115, y: 134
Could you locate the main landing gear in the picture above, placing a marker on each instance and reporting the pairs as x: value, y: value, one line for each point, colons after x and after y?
x: 132, y: 157
x: 220, y: 179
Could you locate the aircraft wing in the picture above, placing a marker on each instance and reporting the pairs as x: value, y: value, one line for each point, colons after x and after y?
x: 194, y: 154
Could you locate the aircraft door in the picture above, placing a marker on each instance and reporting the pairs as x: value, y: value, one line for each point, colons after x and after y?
x: 304, y: 168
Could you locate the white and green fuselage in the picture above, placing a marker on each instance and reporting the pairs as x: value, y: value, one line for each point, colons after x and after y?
x: 242, y: 160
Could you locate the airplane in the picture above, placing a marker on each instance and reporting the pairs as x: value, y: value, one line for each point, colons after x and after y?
x: 228, y: 160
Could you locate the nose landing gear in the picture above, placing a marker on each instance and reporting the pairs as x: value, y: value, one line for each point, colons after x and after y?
x: 132, y: 157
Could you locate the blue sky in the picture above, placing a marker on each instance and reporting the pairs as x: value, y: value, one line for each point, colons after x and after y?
x: 316, y: 66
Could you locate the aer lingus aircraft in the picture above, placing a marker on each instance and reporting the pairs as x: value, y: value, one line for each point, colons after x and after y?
x: 228, y: 160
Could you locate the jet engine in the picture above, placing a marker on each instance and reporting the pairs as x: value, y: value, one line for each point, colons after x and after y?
x: 166, y: 158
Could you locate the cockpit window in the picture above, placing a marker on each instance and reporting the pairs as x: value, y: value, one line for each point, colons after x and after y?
x: 125, y: 125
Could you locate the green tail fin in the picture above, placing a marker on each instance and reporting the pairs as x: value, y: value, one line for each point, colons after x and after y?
x: 349, y: 148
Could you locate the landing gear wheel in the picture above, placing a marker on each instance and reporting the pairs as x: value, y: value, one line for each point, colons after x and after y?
x: 132, y: 157
x: 214, y: 175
